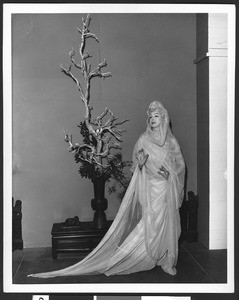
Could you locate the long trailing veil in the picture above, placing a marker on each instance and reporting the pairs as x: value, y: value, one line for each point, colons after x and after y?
x: 140, y: 209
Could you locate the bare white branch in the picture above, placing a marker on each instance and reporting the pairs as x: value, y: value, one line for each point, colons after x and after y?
x: 68, y: 73
x: 100, y: 117
x: 102, y: 133
x: 122, y: 122
x: 91, y: 35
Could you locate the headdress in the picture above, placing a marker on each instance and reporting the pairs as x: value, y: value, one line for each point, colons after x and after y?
x: 158, y: 106
x: 155, y: 106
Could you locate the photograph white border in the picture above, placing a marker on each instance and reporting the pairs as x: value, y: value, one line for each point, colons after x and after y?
x: 8, y: 10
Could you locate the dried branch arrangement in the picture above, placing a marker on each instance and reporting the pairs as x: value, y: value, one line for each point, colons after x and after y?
x: 101, y: 135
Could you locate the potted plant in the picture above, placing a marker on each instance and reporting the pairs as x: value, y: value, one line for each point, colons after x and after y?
x: 97, y: 154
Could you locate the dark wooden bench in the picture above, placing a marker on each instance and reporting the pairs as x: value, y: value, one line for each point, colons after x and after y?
x: 82, y: 238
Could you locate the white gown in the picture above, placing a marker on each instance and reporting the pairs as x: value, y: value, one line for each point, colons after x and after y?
x: 146, y: 229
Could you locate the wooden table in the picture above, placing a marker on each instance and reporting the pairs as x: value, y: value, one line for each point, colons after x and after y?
x: 81, y: 238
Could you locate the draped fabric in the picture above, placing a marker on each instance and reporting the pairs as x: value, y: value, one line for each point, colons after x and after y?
x: 146, y: 228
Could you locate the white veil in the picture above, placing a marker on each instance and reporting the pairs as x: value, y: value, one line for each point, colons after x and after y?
x: 136, y: 206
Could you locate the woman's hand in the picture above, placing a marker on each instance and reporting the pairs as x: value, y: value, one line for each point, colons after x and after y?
x: 163, y: 172
x: 142, y: 158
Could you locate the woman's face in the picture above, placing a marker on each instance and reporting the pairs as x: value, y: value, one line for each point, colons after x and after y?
x: 155, y: 119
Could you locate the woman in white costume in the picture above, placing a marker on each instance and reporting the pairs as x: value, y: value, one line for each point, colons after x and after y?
x: 146, y: 229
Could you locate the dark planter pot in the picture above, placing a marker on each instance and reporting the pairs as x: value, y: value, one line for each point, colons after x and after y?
x: 99, y: 204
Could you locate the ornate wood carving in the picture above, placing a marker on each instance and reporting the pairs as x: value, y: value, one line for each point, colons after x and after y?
x: 17, y: 241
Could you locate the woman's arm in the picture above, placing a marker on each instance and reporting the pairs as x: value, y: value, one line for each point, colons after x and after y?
x: 138, y: 159
x: 142, y: 158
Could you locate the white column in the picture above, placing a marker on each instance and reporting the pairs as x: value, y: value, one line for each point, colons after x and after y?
x: 217, y: 53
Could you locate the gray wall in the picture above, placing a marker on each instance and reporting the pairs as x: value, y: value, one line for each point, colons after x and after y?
x: 150, y: 57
